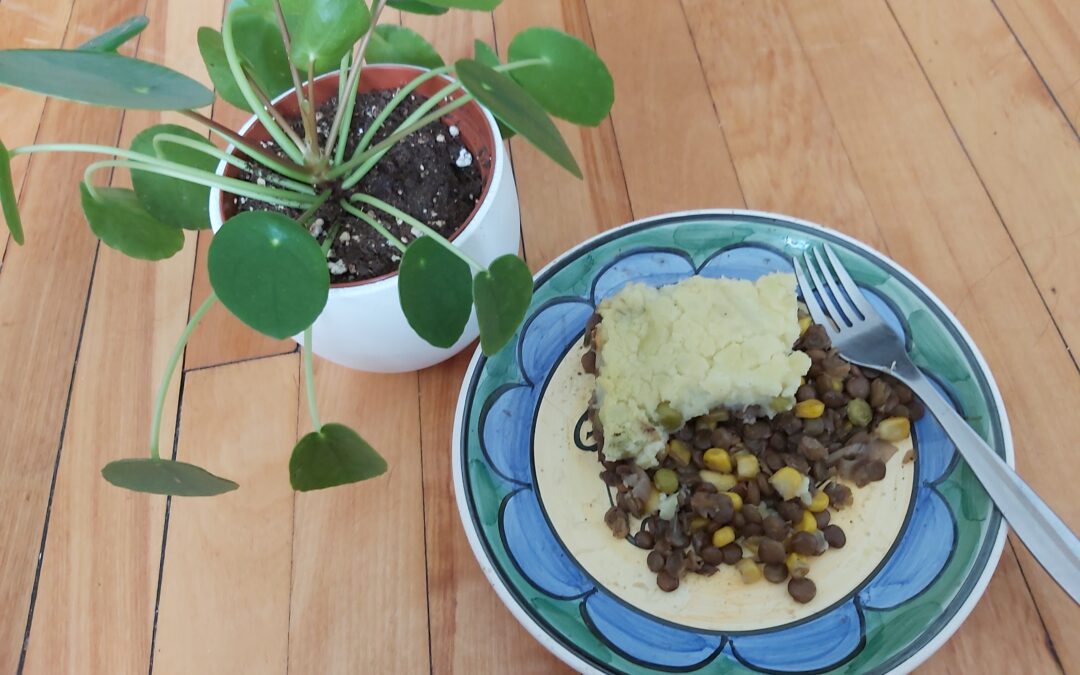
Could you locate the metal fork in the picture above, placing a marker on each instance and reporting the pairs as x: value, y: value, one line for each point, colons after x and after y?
x: 863, y: 338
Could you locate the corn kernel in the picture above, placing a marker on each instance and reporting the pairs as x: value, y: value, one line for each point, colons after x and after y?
x: 718, y: 459
x: 894, y: 429
x: 788, y: 482
x: 652, y: 504
x: 724, y: 536
x: 721, y: 481
x: 736, y: 500
x: 810, y: 409
x: 797, y: 565
x: 807, y: 524
x: 697, y: 523
x: 747, y: 467
x: 819, y: 502
x: 804, y: 324
x: 679, y: 451
x: 748, y: 570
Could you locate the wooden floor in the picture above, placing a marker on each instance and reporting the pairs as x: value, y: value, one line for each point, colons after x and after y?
x: 941, y: 132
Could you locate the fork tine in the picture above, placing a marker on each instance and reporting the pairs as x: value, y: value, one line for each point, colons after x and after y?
x: 838, y: 298
x: 852, y: 289
x: 816, y: 312
x: 831, y: 309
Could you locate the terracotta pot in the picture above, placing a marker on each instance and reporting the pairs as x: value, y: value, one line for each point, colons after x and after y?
x: 362, y: 325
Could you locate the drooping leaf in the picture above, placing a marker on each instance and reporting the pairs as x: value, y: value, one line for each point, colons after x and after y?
x: 120, y: 222
x: 335, y: 455
x: 478, y: 5
x: 323, y: 31
x: 485, y: 54
x: 397, y: 44
x: 435, y: 290
x: 170, y: 200
x: 97, y: 78
x: 8, y: 202
x: 165, y: 477
x: 212, y: 50
x: 269, y: 271
x: 519, y: 111
x: 573, y: 83
x: 417, y: 7
x: 113, y: 38
x: 502, y: 294
x: 258, y: 44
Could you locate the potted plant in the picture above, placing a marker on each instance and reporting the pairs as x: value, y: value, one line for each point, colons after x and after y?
x: 366, y: 209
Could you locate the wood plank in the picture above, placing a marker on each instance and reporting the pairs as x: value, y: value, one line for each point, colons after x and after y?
x: 359, y: 598
x: 674, y: 154
x: 34, y: 24
x: 786, y: 152
x: 1029, y: 161
x: 43, y: 294
x: 97, y: 531
x: 1049, y: 31
x: 225, y: 585
x: 938, y: 222
x: 1013, y: 132
x: 557, y: 209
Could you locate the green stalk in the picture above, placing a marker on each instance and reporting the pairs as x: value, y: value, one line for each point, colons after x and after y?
x: 283, y: 141
x: 228, y: 158
x: 357, y: 59
x: 401, y: 215
x: 295, y: 172
x: 377, y: 123
x: 346, y: 124
x: 309, y: 381
x: 231, y: 185
x: 307, y: 215
x: 375, y: 224
x: 390, y: 140
x: 178, y: 351
x: 330, y: 237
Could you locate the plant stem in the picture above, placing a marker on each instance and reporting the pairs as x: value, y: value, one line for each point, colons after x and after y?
x: 309, y: 381
x: 401, y: 215
x: 306, y: 215
x: 163, y: 390
x: 409, y: 88
x: 348, y: 96
x: 286, y: 40
x: 307, y: 113
x: 264, y: 99
x: 284, y: 166
x: 231, y: 185
x: 330, y: 236
x: 245, y: 86
x: 375, y: 225
x: 390, y: 140
x: 228, y: 158
x: 357, y: 60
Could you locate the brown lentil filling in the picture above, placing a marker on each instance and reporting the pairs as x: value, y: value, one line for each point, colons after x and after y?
x: 732, y: 470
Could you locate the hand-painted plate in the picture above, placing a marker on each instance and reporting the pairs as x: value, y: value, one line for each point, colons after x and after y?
x: 922, y: 544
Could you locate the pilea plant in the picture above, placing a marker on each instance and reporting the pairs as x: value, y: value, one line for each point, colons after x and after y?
x: 266, y: 266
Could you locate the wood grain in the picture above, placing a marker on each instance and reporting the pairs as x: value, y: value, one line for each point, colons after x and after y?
x: 43, y: 294
x: 97, y: 531
x: 1011, y: 128
x: 1049, y: 31
x: 225, y: 578
x: 673, y: 151
x: 359, y: 589
x: 938, y: 221
x: 787, y: 153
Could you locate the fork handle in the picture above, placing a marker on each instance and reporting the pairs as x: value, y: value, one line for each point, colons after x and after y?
x: 1047, y: 537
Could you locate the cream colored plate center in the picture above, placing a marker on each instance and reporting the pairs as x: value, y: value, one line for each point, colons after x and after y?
x: 576, y: 499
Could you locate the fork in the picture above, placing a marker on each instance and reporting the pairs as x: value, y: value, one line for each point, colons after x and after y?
x: 863, y: 338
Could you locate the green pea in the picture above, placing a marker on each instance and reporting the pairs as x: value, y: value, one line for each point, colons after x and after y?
x: 666, y: 481
x: 668, y: 417
x: 859, y: 412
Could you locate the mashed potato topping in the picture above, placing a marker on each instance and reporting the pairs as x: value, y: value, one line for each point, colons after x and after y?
x: 697, y: 345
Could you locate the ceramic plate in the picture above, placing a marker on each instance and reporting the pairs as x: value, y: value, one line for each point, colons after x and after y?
x: 922, y: 543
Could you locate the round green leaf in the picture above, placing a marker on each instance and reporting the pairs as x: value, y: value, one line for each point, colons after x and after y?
x: 480, y: 5
x: 113, y: 38
x: 485, y: 54
x: 573, y: 83
x: 435, y: 289
x: 335, y: 455
x: 519, y: 111
x: 417, y: 7
x: 98, y: 78
x: 120, y: 222
x: 269, y: 272
x: 171, y: 200
x: 323, y: 31
x: 397, y: 44
x: 165, y: 477
x: 8, y: 202
x: 212, y: 50
x: 502, y: 294
x: 258, y: 43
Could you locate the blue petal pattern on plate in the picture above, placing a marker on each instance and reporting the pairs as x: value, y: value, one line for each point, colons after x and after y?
x: 822, y: 642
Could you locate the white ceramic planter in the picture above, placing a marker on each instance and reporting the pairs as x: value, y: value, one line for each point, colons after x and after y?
x: 362, y: 326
